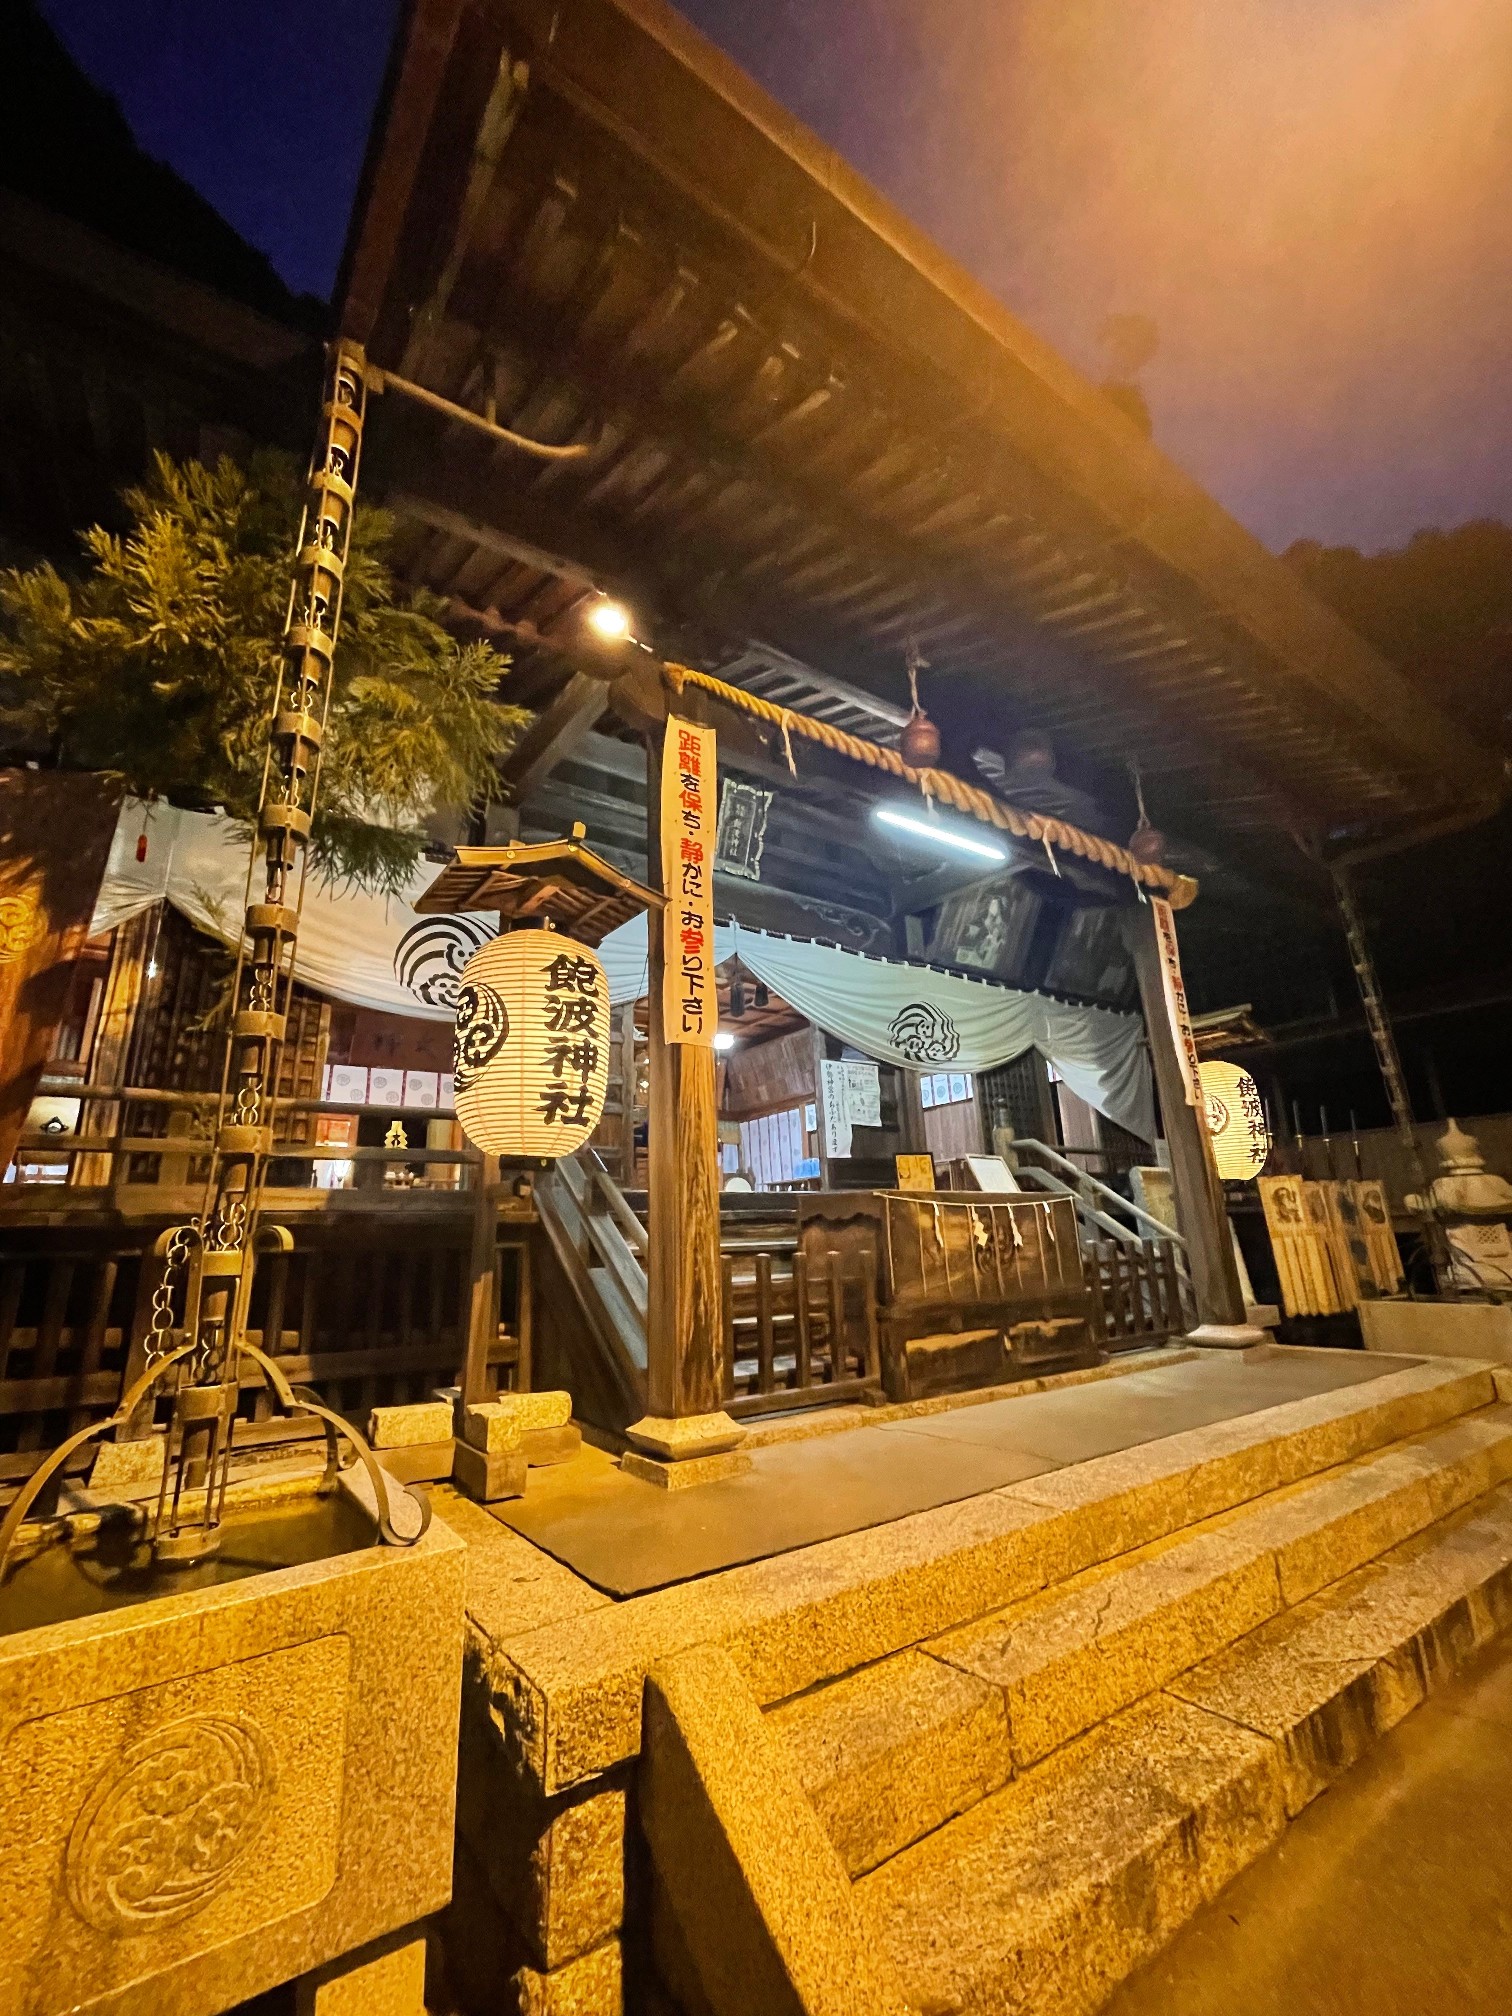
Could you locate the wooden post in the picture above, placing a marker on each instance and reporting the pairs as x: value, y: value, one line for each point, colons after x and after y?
x: 627, y: 1084
x: 685, y: 1383
x: 817, y: 1043
x: 1200, y: 1209
x: 124, y: 983
x: 913, y: 1139
x: 482, y: 1282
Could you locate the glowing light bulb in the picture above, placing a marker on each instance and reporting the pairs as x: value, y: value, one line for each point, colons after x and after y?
x: 609, y: 620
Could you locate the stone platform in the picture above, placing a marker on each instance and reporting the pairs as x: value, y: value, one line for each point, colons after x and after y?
x: 988, y: 1755
x: 820, y: 1475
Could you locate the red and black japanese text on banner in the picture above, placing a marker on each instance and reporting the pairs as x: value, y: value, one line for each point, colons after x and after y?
x: 1174, y: 989
x: 689, y: 825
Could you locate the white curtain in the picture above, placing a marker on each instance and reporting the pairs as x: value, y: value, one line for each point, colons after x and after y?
x: 915, y: 1016
x: 377, y: 952
x: 374, y: 951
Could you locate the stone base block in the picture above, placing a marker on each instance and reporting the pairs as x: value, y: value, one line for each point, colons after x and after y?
x: 1226, y: 1336
x: 591, y: 1986
x: 694, y: 1470
x: 420, y: 1463
x: 488, y: 1477
x: 1439, y: 1329
x: 693, y: 1435
x: 535, y: 1410
x: 489, y: 1969
x: 490, y: 1427
x: 760, y: 1897
x: 543, y: 1447
x: 402, y: 1427
x: 129, y: 1466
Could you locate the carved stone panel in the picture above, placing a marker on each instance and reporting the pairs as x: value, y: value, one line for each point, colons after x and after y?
x: 148, y: 1827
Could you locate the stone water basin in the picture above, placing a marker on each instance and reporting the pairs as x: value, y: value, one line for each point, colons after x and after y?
x: 213, y: 1779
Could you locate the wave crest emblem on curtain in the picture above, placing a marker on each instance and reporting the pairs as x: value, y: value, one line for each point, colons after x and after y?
x: 925, y: 1034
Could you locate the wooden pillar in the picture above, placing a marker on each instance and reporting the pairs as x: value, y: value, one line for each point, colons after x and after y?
x: 685, y: 1372
x: 1201, y: 1213
x: 482, y: 1309
x: 913, y: 1139
x: 821, y: 1132
x: 124, y: 984
x: 627, y: 1086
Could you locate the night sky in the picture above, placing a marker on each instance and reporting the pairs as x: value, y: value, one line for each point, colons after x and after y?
x: 1309, y: 198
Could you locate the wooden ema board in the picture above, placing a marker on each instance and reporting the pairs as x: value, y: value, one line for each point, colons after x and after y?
x: 1333, y: 1243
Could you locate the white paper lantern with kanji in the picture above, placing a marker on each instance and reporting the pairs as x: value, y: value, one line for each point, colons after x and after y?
x: 532, y: 1044
x: 1235, y: 1120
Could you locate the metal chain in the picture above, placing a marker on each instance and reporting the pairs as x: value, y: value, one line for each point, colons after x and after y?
x: 160, y: 1327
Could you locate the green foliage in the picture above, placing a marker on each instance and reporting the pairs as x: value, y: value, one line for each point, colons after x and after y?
x: 159, y: 665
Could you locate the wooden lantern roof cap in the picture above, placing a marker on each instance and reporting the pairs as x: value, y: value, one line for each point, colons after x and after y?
x: 558, y: 882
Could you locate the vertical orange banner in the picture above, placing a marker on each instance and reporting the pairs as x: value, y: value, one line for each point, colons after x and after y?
x: 689, y: 827
x: 1176, y: 1001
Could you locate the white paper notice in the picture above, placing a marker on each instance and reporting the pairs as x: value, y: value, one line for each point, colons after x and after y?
x: 834, y: 1098
x: 863, y: 1095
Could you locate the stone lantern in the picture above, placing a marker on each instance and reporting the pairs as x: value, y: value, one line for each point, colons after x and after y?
x: 1474, y: 1205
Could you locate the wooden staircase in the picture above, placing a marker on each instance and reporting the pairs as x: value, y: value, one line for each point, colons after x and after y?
x: 799, y: 1328
x: 1136, y: 1266
x: 601, y: 1247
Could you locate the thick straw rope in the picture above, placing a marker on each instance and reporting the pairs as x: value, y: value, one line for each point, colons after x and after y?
x: 1178, y: 890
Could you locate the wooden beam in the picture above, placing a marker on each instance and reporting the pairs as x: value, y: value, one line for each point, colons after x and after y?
x: 553, y: 736
x: 601, y: 568
x: 924, y: 892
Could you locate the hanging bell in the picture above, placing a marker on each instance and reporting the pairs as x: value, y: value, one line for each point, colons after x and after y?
x: 919, y: 743
x: 1147, y: 843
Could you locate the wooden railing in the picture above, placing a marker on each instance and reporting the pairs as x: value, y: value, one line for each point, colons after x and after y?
x: 67, y: 1320
x: 1141, y: 1294
x: 370, y: 1307
x: 799, y: 1329
x: 600, y: 1245
x: 120, y: 1155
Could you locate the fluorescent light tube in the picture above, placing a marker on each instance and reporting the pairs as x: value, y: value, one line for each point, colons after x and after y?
x: 940, y: 835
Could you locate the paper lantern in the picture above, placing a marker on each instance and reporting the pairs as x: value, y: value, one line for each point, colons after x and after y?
x: 532, y: 1050
x: 1235, y: 1120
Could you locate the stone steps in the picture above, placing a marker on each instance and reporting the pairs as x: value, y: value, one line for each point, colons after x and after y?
x: 836, y: 1648
x: 892, y: 1752
x: 1041, y: 1896
x: 571, y: 1696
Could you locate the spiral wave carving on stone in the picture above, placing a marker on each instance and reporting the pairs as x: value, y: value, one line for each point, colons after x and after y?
x: 166, y: 1825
